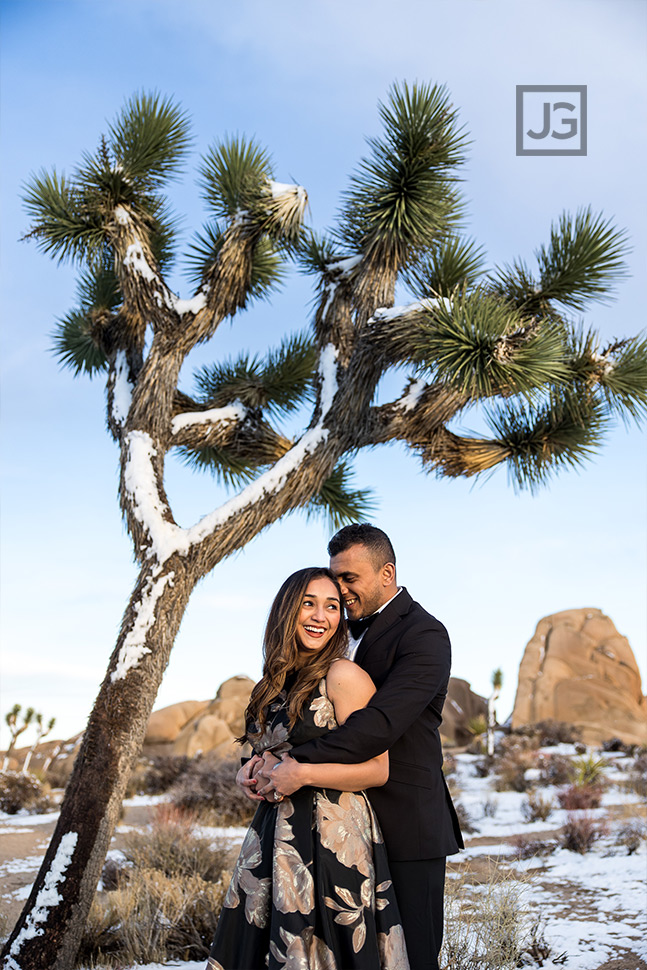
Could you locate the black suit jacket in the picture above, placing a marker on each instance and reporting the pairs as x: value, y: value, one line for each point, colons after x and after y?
x: 407, y: 653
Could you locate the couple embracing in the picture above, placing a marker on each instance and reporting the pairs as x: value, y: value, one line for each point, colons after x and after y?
x: 330, y: 877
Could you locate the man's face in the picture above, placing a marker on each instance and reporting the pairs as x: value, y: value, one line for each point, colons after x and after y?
x: 363, y: 587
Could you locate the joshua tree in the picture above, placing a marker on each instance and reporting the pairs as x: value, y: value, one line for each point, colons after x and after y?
x: 16, y: 729
x: 497, y: 683
x: 42, y: 731
x: 500, y: 339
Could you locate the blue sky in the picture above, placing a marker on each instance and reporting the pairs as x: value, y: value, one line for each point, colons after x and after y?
x: 305, y: 80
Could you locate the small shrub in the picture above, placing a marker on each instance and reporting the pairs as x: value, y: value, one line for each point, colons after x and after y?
x: 464, y: 818
x: 518, y: 741
x: 537, y: 949
x: 554, y: 769
x: 637, y: 780
x: 482, y: 768
x: 631, y: 834
x: 580, y: 832
x: 528, y: 846
x: 580, y: 797
x: 616, y: 744
x: 209, y: 790
x: 477, y: 725
x: 154, y: 918
x: 511, y: 771
x: 20, y: 792
x: 551, y: 733
x: 484, y: 931
x: 161, y: 773
x: 588, y: 771
x: 490, y: 808
x: 537, y: 807
x: 172, y: 847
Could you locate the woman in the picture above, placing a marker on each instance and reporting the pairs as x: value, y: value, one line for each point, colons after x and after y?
x: 311, y: 889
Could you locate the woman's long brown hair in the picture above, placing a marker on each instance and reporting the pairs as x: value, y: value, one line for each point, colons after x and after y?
x: 281, y: 653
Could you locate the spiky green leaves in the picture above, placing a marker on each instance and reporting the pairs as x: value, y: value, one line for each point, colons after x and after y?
x: 74, y: 217
x: 74, y: 338
x: 583, y: 261
x: 618, y: 371
x: 149, y: 141
x: 404, y: 196
x: 541, y: 440
x: 476, y: 344
x: 63, y: 226
x: 280, y: 383
x: 339, y: 502
x: 237, y: 185
x: 234, y: 176
x: 452, y: 262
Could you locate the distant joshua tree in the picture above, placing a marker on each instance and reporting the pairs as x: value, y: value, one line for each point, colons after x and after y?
x: 497, y: 683
x: 499, y: 339
x: 16, y: 728
x: 42, y: 731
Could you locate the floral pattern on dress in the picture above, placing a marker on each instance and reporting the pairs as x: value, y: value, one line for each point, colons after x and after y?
x: 311, y: 889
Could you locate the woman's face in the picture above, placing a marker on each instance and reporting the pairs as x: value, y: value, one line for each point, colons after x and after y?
x: 319, y: 615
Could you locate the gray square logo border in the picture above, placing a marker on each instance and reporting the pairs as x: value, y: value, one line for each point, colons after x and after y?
x: 549, y: 89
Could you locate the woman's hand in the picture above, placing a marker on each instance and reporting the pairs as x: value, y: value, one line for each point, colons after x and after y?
x: 247, y: 780
x: 285, y: 777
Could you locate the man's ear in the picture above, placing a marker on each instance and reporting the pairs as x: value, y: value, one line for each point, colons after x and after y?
x: 388, y: 574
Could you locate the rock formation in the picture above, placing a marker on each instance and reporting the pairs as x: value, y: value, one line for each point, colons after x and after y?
x: 578, y: 669
x: 195, y: 727
x: 461, y: 705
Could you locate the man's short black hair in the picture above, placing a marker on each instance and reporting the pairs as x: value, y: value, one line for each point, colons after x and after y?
x: 363, y: 534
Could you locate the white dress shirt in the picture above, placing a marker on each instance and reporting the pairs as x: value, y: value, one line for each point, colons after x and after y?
x: 353, y: 644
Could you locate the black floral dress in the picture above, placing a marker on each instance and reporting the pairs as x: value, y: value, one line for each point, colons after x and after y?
x: 311, y: 889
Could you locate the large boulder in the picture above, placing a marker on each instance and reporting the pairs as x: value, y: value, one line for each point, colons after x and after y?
x: 166, y: 724
x: 461, y: 706
x: 201, y: 727
x: 578, y: 669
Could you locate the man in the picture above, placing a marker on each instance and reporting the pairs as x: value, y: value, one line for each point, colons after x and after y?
x: 407, y: 653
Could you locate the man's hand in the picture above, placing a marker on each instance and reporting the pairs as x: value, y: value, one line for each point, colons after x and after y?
x: 285, y: 777
x: 246, y: 779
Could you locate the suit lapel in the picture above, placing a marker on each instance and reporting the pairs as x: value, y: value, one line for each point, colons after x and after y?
x: 399, y: 606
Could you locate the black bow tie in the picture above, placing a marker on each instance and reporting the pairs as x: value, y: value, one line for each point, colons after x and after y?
x: 357, y: 627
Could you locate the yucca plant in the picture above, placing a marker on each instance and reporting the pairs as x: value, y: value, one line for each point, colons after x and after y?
x: 502, y: 340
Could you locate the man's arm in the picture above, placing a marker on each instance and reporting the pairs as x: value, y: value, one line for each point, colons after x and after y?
x: 420, y: 671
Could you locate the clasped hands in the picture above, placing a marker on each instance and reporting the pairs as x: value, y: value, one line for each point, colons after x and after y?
x: 268, y: 778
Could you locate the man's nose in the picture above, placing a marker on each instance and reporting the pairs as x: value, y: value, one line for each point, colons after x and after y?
x: 343, y: 587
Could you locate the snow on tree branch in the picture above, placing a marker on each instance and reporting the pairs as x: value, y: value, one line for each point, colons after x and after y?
x: 140, y: 483
x: 387, y: 314
x: 233, y: 412
x: 121, y: 389
x: 134, y: 646
x: 47, y: 897
x: 411, y: 396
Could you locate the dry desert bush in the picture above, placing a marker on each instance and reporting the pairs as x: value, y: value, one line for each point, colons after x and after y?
x: 529, y: 846
x: 581, y: 832
x: 578, y: 797
x: 153, y: 918
x: 26, y: 793
x: 537, y: 807
x: 554, y: 769
x: 490, y: 928
x: 166, y: 899
x: 209, y: 790
x: 631, y: 835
